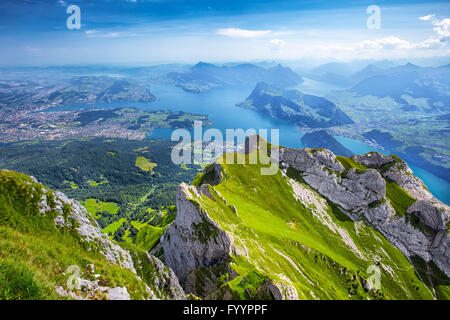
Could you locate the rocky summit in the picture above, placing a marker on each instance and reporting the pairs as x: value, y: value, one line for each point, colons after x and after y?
x: 321, y: 228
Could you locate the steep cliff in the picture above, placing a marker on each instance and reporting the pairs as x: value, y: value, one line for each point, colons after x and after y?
x: 322, y: 227
x: 51, y: 248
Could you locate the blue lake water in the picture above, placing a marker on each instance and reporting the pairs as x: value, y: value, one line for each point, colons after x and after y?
x: 220, y: 106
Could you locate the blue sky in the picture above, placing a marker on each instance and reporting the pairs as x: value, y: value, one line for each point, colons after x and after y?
x: 33, y: 32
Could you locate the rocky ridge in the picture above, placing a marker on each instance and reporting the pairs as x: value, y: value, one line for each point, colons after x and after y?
x: 355, y: 186
x: 165, y: 284
x: 194, y: 240
x: 70, y: 217
x: 361, y: 194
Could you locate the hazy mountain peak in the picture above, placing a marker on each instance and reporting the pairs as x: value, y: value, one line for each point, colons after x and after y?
x: 205, y: 76
x: 302, y: 109
x: 201, y: 65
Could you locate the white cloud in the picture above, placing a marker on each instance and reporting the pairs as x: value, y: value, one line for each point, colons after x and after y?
x: 442, y: 27
x: 390, y: 42
x: 431, y: 43
x: 427, y: 17
x: 395, y: 43
x: 242, y: 33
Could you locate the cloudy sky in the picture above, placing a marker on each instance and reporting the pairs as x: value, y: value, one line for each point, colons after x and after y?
x: 34, y: 32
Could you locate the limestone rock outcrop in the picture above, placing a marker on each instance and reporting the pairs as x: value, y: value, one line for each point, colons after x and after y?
x: 362, y: 196
x: 72, y: 215
x: 196, y: 244
x: 193, y: 240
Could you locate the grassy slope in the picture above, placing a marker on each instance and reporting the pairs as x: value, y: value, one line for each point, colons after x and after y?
x: 148, y: 237
x: 34, y: 254
x: 269, y: 219
x: 151, y: 231
x: 399, y: 198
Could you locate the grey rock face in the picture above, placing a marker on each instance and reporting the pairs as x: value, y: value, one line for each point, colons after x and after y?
x: 186, y: 250
x: 89, y: 289
x: 119, y: 293
x: 73, y: 215
x: 401, y: 234
x: 429, y: 214
x: 166, y: 279
x: 89, y: 231
x: 308, y: 161
x: 193, y: 240
x: 352, y: 192
x: 362, y: 196
x: 282, y: 291
x: 432, y: 244
x: 373, y: 159
x: 397, y: 171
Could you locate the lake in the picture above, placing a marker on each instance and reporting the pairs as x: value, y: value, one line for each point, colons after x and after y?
x: 220, y: 106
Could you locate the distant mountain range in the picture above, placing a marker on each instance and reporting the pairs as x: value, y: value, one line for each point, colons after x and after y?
x: 205, y: 76
x: 404, y: 83
x: 96, y: 89
x: 408, y: 82
x: 347, y: 74
x: 32, y: 95
x: 302, y: 109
